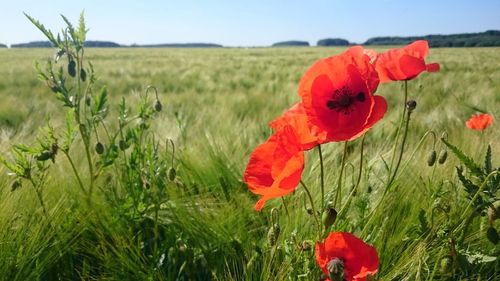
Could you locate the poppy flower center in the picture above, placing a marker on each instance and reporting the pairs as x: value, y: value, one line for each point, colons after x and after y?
x: 335, y: 269
x: 342, y: 100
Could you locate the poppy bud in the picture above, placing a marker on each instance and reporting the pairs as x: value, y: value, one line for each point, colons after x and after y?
x: 72, y: 68
x: 172, y: 174
x: 446, y: 264
x: 309, y: 211
x: 432, y: 158
x: 15, y: 185
x: 336, y: 269
x: 492, y: 235
x: 443, y: 155
x: 328, y: 217
x: 273, y: 234
x: 123, y: 145
x: 99, y: 148
x: 158, y: 106
x: 83, y: 75
x: 45, y: 155
x: 411, y: 105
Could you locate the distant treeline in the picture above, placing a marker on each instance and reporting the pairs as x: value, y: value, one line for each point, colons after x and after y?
x: 3, y: 46
x: 482, y: 39
x: 292, y: 43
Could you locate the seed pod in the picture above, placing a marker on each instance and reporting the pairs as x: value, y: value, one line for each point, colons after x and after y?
x: 273, y: 234
x: 443, y: 155
x: 172, y: 174
x: 336, y: 269
x: 446, y: 264
x: 158, y: 106
x: 72, y: 68
x: 123, y: 145
x: 411, y: 105
x: 328, y: 217
x: 99, y: 148
x: 492, y: 235
x: 83, y: 75
x: 432, y: 158
x: 44, y: 156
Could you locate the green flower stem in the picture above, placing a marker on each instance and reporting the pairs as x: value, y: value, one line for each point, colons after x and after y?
x: 322, y: 171
x: 315, y: 214
x: 401, y: 150
x: 398, y: 131
x: 338, y: 193
x: 354, y: 190
x: 75, y: 171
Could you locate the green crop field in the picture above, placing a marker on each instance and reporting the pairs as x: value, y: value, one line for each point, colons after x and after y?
x: 200, y: 224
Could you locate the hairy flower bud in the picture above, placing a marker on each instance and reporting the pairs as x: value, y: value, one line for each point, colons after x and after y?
x: 432, y: 158
x: 158, y: 106
x: 492, y: 235
x: 123, y: 145
x: 72, y: 68
x: 273, y: 234
x: 99, y: 148
x: 411, y: 105
x: 83, y: 75
x: 446, y: 264
x: 172, y: 174
x: 328, y: 217
x: 443, y: 155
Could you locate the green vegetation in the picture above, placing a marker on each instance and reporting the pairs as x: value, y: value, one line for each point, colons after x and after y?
x: 143, y: 222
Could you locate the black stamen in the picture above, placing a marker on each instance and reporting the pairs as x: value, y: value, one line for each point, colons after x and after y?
x: 360, y: 97
x: 331, y: 104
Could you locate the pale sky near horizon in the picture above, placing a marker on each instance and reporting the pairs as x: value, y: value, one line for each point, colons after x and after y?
x: 248, y: 23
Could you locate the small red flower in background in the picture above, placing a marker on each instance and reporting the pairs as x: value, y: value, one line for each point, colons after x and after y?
x: 296, y: 118
x: 337, y: 95
x: 275, y: 167
x: 404, y: 63
x: 479, y: 122
x: 345, y: 256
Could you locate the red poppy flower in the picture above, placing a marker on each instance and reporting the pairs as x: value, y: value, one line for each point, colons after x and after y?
x: 479, y: 122
x: 337, y: 94
x: 275, y: 167
x: 345, y: 255
x: 404, y: 63
x: 296, y: 118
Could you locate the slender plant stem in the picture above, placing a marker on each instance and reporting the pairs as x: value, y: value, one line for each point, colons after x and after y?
x: 338, y: 194
x: 285, y: 206
x: 322, y: 171
x: 401, y: 151
x: 315, y: 214
x: 354, y: 190
x: 401, y: 122
x: 75, y: 171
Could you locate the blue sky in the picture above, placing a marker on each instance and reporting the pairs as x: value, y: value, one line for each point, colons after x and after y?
x: 248, y: 23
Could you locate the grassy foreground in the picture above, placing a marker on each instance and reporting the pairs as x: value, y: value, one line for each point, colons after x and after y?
x: 216, y: 103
